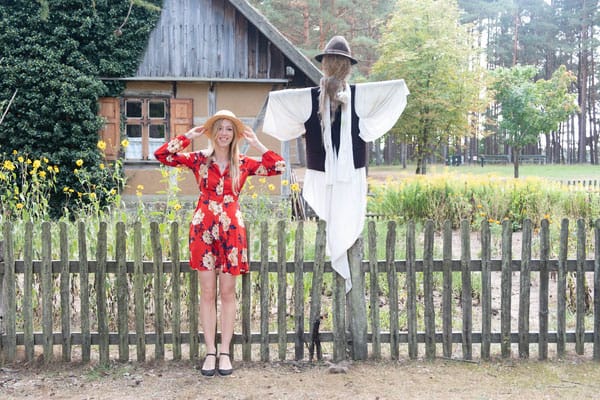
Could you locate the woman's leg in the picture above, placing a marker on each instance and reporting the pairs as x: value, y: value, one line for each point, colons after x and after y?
x: 208, y: 314
x: 228, y: 310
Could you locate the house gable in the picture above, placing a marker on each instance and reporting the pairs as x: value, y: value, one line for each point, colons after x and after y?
x: 221, y: 40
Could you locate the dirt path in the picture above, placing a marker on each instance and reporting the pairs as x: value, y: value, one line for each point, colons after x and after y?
x: 567, y: 379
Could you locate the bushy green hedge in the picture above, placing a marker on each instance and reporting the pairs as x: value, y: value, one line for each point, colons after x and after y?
x: 53, y: 55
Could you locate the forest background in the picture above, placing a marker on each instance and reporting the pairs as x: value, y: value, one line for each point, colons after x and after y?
x: 443, y: 49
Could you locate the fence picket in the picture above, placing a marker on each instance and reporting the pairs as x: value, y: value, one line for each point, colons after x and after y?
x: 298, y: 292
x: 138, y: 293
x: 245, y: 306
x: 27, y: 294
x: 447, y: 289
x: 466, y: 296
x: 486, y: 291
x: 411, y: 291
x: 100, y: 285
x: 561, y: 289
x: 315, y: 292
x: 374, y: 291
x: 581, y: 288
x: 390, y: 253
x: 47, y: 295
x: 122, y: 292
x: 281, y: 290
x: 428, y: 291
x: 357, y: 309
x: 84, y: 301
x: 65, y: 284
x: 505, y: 301
x: 8, y: 296
x: 524, y: 290
x: 264, y: 291
x: 176, y: 293
x: 159, y: 319
x: 543, y: 300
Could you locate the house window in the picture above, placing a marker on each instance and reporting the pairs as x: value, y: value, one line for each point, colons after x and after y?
x: 145, y: 126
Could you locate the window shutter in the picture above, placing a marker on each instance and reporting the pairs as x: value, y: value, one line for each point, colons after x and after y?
x: 110, y: 133
x: 182, y: 116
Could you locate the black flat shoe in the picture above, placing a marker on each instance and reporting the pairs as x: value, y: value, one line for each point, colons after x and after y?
x: 209, y: 372
x: 225, y: 372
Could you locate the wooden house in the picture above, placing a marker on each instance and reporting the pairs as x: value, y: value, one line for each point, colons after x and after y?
x: 203, y: 56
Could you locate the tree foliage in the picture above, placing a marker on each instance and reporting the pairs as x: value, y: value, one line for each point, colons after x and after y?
x: 54, y: 54
x: 424, y: 44
x: 529, y: 107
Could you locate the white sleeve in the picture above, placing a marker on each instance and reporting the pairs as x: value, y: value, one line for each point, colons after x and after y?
x: 378, y: 106
x: 287, y: 110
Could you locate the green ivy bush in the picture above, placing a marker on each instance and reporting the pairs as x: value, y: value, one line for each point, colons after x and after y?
x: 53, y: 55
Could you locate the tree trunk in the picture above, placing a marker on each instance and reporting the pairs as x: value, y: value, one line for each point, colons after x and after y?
x: 516, y: 154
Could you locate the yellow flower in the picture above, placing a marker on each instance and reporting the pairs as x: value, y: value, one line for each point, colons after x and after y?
x: 75, y: 171
x: 284, y: 182
x: 20, y: 206
x: 56, y: 169
x: 101, y: 145
x: 546, y: 216
x: 42, y: 174
x: 140, y: 187
x: 9, y: 165
x: 79, y: 194
x: 262, y: 180
x: 15, y: 152
x: 20, y: 159
x: 65, y: 189
x: 50, y: 168
x: 177, y: 207
x: 479, y: 206
x: 45, y: 160
x: 113, y: 192
x: 36, y: 164
x: 79, y: 162
x: 28, y: 161
x: 124, y: 142
x: 295, y: 187
x: 92, y: 196
x: 271, y: 187
x: 2, y: 177
x: 101, y: 165
x: 254, y: 195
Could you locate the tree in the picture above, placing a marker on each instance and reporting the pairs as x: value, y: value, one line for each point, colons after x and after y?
x: 424, y: 44
x: 530, y: 108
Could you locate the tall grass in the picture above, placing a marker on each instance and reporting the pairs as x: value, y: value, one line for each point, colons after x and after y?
x: 451, y: 197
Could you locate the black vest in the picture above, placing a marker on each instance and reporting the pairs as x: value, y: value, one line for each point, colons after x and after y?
x: 315, y: 150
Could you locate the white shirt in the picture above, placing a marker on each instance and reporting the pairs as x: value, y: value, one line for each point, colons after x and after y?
x: 338, y: 195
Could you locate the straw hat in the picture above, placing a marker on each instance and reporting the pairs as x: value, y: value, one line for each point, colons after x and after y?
x: 337, y: 46
x: 224, y: 114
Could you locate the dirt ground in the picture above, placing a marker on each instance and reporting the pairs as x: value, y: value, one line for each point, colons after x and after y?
x: 420, y: 379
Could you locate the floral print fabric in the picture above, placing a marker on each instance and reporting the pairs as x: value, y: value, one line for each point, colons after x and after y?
x: 217, y: 237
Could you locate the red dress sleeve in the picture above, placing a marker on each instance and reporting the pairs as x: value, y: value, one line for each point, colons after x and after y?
x: 270, y: 164
x: 170, y: 153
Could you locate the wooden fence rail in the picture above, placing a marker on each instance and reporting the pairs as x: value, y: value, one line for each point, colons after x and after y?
x: 157, y: 300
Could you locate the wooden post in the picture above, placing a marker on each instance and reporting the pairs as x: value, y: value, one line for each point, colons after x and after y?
x: 339, y: 317
x: 561, y: 290
x: 357, y: 303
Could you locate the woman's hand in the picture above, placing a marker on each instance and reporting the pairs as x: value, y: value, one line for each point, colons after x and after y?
x: 252, y: 139
x: 195, y: 132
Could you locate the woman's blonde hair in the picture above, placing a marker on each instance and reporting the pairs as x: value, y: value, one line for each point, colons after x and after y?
x: 234, y: 153
x: 336, y: 70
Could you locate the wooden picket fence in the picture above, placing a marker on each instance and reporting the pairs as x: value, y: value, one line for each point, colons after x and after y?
x: 427, y: 312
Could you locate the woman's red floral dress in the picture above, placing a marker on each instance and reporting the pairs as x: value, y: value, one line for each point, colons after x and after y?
x: 217, y: 232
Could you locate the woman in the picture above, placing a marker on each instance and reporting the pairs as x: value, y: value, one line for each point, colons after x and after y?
x: 217, y: 239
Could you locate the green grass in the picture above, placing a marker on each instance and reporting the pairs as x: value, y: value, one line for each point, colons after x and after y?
x: 550, y: 171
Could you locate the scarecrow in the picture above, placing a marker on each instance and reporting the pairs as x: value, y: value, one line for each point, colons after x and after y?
x: 337, y: 120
